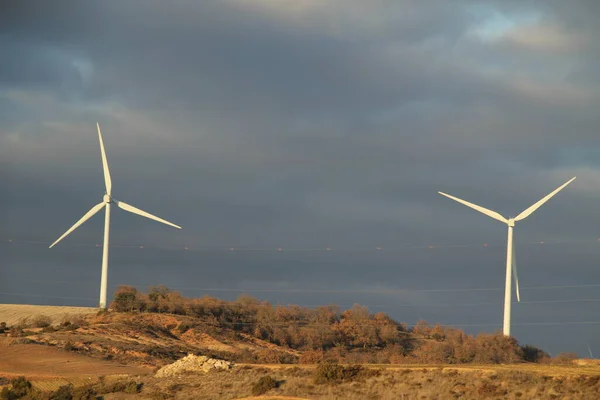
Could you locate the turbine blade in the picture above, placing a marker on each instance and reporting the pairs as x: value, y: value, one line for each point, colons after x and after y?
x: 483, y: 210
x: 134, y: 210
x: 107, y: 180
x: 87, y: 216
x: 526, y: 213
x: 514, y: 270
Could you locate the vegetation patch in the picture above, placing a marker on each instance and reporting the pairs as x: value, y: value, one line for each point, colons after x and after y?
x: 41, y: 321
x: 19, y: 388
x: 263, y: 385
x: 332, y: 372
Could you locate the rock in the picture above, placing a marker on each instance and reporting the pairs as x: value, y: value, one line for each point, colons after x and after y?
x: 192, y: 363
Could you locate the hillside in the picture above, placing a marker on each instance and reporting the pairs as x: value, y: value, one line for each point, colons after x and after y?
x: 161, y: 326
x: 300, y: 352
x: 135, y: 339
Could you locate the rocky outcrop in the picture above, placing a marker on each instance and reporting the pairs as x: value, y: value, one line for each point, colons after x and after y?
x: 192, y: 363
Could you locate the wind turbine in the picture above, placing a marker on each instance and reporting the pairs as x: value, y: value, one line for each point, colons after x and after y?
x: 107, y: 201
x: 511, y: 264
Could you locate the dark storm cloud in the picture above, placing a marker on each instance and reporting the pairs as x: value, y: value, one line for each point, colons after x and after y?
x: 304, y: 124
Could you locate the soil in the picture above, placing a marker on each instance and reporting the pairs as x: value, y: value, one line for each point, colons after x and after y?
x: 42, y: 362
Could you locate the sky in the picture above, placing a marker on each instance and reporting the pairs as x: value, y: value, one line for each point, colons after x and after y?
x: 303, y: 125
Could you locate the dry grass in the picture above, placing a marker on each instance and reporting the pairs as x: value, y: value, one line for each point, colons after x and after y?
x: 485, y: 382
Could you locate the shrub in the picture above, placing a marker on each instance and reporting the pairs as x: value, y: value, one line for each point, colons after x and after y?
x: 311, y: 357
x: 129, y: 387
x: 183, y: 328
x: 72, y: 323
x: 16, y: 331
x: 564, y: 358
x: 24, y: 323
x: 3, y: 327
x: 263, y: 385
x: 41, y: 321
x: 332, y: 372
x: 19, y: 388
x: 534, y: 354
x: 64, y: 392
x: 85, y: 393
x: 328, y: 372
x: 69, y: 346
x: 132, y: 387
x: 7, y: 394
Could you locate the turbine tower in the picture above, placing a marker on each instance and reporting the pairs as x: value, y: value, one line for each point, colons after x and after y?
x: 511, y: 265
x: 107, y: 201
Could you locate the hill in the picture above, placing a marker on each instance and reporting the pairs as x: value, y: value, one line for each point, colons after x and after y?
x: 282, y: 351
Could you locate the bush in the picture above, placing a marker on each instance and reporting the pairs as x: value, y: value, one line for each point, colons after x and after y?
x: 328, y: 372
x: 534, y: 354
x: 311, y: 357
x: 71, y: 323
x: 85, y: 393
x: 564, y: 358
x: 64, y: 392
x: 332, y: 372
x: 3, y: 327
x: 132, y: 387
x: 183, y: 328
x: 7, y: 394
x: 41, y: 321
x: 69, y: 346
x: 16, y: 331
x: 19, y: 388
x: 129, y: 387
x: 263, y: 385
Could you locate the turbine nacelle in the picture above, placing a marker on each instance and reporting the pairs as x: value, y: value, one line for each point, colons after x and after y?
x: 107, y: 199
x: 510, y: 222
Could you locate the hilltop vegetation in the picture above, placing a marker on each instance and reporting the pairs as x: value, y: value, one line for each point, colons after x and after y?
x: 311, y: 335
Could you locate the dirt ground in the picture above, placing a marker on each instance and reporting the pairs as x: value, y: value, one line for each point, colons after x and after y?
x: 49, y: 367
x: 273, y: 398
x: 12, y: 314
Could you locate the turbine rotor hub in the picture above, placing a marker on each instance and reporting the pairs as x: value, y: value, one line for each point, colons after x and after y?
x: 107, y: 198
x: 511, y: 222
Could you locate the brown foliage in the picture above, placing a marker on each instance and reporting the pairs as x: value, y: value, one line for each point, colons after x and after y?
x: 327, y: 333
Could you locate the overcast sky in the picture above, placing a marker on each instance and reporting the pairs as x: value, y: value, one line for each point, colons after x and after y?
x: 307, y: 124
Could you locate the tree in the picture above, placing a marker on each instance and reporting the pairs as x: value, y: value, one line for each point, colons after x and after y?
x: 534, y: 354
x: 126, y: 298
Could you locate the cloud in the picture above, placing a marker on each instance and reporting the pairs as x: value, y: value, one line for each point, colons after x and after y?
x: 545, y: 38
x: 302, y: 124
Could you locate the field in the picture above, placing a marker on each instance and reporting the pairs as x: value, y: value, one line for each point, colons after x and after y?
x: 127, y: 347
x: 12, y: 314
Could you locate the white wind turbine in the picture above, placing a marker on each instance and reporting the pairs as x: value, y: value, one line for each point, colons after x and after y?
x: 511, y: 265
x: 106, y: 202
